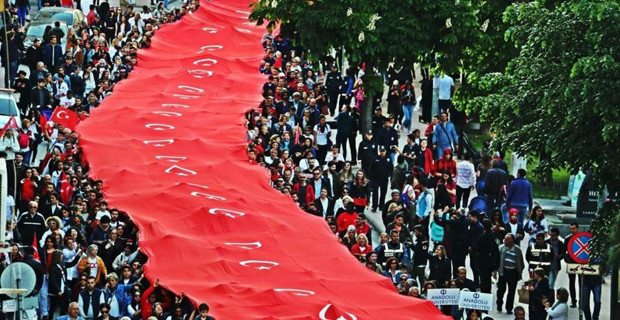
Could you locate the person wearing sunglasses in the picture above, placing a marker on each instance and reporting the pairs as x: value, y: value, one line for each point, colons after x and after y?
x: 104, y: 310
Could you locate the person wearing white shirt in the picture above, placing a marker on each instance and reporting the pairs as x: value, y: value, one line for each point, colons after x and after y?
x: 559, y: 310
x: 68, y: 100
x: 322, y: 132
x: 9, y: 144
x: 465, y: 180
x: 334, y: 155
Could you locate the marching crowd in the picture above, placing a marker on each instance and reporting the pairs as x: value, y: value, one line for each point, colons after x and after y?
x: 86, y: 256
x: 428, y: 225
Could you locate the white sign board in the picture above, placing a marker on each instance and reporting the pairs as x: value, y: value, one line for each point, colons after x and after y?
x: 443, y: 297
x: 584, y: 269
x: 475, y: 300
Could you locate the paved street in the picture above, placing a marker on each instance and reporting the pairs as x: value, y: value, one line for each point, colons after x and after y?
x: 374, y: 219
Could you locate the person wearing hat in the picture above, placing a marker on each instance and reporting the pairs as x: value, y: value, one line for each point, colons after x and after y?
x: 388, y: 138
x: 381, y: 170
x: 54, y: 225
x: 333, y: 84
x: 377, y: 120
x: 367, y: 151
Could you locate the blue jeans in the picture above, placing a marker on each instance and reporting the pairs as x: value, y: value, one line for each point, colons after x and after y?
x: 408, y: 113
x: 22, y: 12
x: 585, y: 299
x: 553, y: 276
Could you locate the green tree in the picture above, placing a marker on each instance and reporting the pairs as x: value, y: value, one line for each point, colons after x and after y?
x: 560, y: 95
x: 377, y: 32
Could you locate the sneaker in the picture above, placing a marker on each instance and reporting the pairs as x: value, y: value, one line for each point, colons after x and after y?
x: 499, y: 309
x: 573, y: 305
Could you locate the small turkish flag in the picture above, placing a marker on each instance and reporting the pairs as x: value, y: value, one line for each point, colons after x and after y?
x: 66, y: 117
x: 35, y: 245
x: 66, y: 190
x: 11, y: 124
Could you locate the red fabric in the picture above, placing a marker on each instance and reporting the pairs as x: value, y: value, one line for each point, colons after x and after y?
x: 231, y: 240
x: 42, y: 122
x: 35, y: 246
x: 66, y: 117
x: 27, y: 190
x: 66, y: 190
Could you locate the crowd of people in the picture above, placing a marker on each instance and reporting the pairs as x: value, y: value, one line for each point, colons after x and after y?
x: 85, y: 254
x: 428, y: 226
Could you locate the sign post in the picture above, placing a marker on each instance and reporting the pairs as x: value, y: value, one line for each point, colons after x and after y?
x: 579, y: 250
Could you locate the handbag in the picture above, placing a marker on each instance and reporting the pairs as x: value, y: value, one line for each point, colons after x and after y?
x: 524, y: 295
x: 360, y: 202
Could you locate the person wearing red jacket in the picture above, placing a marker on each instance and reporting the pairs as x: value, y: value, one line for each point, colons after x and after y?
x: 27, y: 187
x: 346, y: 219
x: 361, y: 248
x: 304, y: 191
x: 445, y: 164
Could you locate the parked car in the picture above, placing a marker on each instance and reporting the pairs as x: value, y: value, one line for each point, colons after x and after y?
x: 8, y: 107
x: 37, y: 29
x: 72, y: 17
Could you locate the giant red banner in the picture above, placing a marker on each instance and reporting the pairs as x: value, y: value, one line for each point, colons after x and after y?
x: 170, y: 145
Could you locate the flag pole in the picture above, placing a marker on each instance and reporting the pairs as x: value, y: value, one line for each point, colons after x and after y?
x: 7, y: 67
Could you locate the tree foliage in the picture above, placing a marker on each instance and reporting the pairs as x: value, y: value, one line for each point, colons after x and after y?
x: 379, y: 32
x: 560, y: 94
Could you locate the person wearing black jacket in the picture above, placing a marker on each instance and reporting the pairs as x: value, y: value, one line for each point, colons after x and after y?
x: 22, y: 86
x: 36, y: 266
x: 494, y: 180
x: 539, y: 291
x: 333, y: 83
x: 559, y: 249
x: 473, y: 235
x: 420, y: 255
x: 377, y: 120
x: 574, y: 229
x: 367, y: 151
x: 440, y: 267
x: 40, y: 96
x: 353, y: 135
x: 487, y: 255
x: 56, y: 284
x: 381, y: 170
x: 31, y: 223
x: 387, y: 136
x: 458, y: 226
x: 344, y: 122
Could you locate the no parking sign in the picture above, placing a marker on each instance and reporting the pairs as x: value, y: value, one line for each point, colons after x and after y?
x: 579, y: 247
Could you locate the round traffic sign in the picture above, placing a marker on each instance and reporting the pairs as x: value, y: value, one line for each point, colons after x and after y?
x: 579, y: 247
